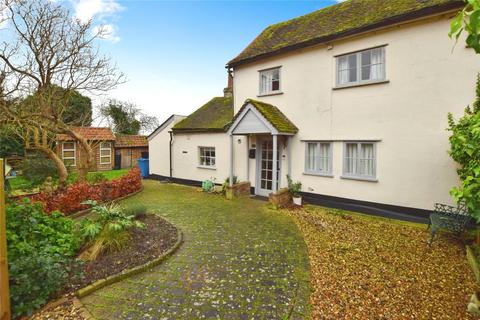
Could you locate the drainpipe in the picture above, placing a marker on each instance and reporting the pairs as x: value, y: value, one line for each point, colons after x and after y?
x: 170, y: 153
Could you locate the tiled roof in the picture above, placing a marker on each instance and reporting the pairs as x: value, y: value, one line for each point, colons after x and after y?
x: 90, y: 133
x: 215, y: 115
x: 337, y: 21
x: 273, y: 115
x: 130, y: 141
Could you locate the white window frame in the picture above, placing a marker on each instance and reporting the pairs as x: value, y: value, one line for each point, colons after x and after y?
x: 359, y: 81
x: 201, y: 155
x: 109, y: 153
x: 329, y: 171
x: 357, y: 175
x: 269, y: 91
x: 74, y: 158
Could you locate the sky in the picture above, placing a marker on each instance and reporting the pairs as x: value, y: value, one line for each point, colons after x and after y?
x: 173, y: 53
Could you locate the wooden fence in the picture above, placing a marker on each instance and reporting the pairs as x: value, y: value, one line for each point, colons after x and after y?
x: 4, y: 289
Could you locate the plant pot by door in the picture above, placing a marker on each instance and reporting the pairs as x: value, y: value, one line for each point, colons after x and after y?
x: 297, y: 201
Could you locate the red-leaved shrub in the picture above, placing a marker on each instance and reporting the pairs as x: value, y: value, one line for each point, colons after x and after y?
x: 70, y: 200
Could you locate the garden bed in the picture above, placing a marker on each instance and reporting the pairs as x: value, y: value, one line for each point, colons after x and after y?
x: 146, y: 245
x: 363, y: 266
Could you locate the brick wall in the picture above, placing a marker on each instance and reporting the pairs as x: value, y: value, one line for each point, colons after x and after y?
x: 280, y: 199
x: 241, y: 189
x: 81, y: 157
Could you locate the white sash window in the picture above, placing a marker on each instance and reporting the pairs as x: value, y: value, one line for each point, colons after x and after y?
x: 207, y: 156
x: 105, y: 153
x: 270, y: 81
x: 318, y: 158
x: 362, y: 67
x: 69, y: 154
x: 359, y: 160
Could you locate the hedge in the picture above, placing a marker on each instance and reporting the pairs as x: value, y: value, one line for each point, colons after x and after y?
x: 70, y: 200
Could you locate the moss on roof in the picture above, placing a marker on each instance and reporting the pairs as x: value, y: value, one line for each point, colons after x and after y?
x: 336, y: 20
x: 215, y: 115
x: 273, y: 115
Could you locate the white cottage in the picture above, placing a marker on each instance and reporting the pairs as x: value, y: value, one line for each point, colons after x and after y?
x: 351, y: 100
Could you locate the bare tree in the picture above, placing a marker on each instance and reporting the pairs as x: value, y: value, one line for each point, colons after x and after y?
x: 45, y: 49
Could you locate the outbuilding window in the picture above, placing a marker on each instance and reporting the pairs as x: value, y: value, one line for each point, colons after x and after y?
x: 361, y: 67
x: 359, y: 160
x: 207, y: 156
x: 69, y: 154
x: 270, y: 81
x: 318, y: 158
x: 105, y: 153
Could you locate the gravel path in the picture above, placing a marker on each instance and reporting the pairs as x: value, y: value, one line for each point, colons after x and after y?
x: 240, y: 260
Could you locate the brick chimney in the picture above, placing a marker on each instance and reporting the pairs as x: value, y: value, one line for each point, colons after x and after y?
x: 228, y: 91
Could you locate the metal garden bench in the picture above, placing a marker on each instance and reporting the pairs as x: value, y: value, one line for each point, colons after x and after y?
x: 453, y: 219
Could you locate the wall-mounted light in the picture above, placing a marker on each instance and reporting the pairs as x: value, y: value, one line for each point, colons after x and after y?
x: 239, y: 141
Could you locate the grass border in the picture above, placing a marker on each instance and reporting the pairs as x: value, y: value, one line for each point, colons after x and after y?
x: 83, y: 292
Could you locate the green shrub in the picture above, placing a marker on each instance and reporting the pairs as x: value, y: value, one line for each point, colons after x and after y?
x: 294, y: 187
x: 465, y: 150
x: 96, y: 177
x: 107, y: 230
x: 136, y: 210
x: 227, y: 183
x: 41, y: 248
x: 37, y: 168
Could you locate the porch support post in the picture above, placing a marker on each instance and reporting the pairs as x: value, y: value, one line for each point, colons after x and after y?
x: 289, y: 155
x: 231, y: 160
x: 274, y: 164
x: 248, y: 158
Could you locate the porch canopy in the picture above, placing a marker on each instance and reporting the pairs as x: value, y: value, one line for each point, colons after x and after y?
x: 256, y: 117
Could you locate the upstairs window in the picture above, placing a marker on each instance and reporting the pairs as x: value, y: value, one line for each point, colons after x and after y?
x: 359, y: 160
x: 270, y: 81
x: 318, y: 158
x: 105, y: 153
x: 207, y: 156
x: 69, y: 154
x: 362, y: 67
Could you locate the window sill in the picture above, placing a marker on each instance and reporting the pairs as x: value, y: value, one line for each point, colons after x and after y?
x: 359, y: 178
x: 326, y: 175
x: 270, y: 94
x: 207, y: 167
x: 354, y: 85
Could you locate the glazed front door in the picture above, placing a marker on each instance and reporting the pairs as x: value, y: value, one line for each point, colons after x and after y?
x: 265, y: 167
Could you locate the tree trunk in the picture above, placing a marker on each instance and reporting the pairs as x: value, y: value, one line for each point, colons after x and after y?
x: 61, y: 169
x: 83, y: 166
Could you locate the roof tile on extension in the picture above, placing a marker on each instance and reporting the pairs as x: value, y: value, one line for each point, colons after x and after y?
x: 214, y: 116
x: 130, y: 141
x: 272, y: 114
x: 90, y: 133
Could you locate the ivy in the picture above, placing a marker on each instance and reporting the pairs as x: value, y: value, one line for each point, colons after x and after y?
x: 465, y: 150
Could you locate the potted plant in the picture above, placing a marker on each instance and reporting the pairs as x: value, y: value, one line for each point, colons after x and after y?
x: 295, y: 188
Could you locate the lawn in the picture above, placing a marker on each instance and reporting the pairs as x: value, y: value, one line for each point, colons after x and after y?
x: 19, y: 184
x: 364, y: 267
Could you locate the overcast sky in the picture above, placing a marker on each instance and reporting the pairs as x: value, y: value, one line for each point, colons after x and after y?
x: 174, y: 52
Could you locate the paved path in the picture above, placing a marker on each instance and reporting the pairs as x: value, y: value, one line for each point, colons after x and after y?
x: 240, y: 260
